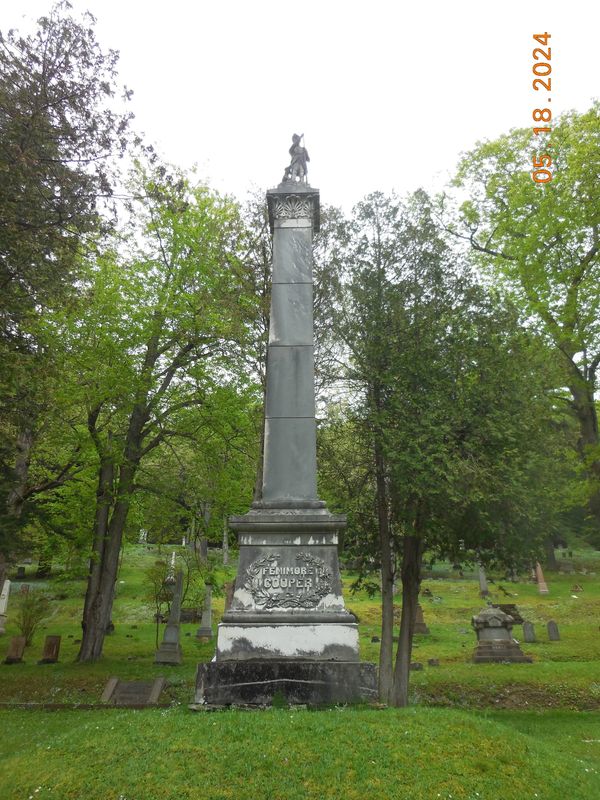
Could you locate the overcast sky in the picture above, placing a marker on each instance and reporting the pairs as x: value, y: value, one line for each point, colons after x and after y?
x: 387, y: 93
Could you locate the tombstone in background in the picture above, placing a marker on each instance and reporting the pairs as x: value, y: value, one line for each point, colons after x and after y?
x: 51, y: 650
x: 16, y: 648
x: 553, y: 633
x: 205, y: 629
x: 528, y: 633
x: 420, y: 626
x: 20, y: 573
x: 3, y: 605
x: 133, y: 694
x: 495, y: 642
x: 229, y: 590
x: 169, y: 651
x: 483, y: 586
x: 539, y: 577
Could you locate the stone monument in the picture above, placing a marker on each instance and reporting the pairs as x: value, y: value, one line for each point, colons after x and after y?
x: 494, y: 638
x: 483, y: 585
x: 205, y: 629
x: 169, y: 651
x: 287, y: 629
x: 420, y: 624
x: 539, y: 577
x: 3, y: 605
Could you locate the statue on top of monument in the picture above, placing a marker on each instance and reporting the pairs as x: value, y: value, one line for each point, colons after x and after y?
x: 298, y: 165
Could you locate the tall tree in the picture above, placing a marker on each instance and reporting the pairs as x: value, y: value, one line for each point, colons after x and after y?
x: 544, y: 239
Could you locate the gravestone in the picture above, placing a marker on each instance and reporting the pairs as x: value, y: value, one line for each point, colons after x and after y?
x: 3, y: 605
x: 528, y: 632
x: 20, y: 573
x: 420, y: 626
x: 205, y: 630
x: 287, y: 630
x: 553, y: 633
x: 133, y: 694
x: 16, y: 648
x: 483, y: 586
x: 169, y: 651
x: 51, y: 650
x: 433, y: 662
x: 494, y: 638
x: 539, y: 576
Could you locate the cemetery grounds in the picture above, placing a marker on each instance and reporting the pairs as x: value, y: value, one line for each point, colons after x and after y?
x: 476, y: 731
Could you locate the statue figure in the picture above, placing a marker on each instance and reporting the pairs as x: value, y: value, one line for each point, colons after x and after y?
x: 297, y: 167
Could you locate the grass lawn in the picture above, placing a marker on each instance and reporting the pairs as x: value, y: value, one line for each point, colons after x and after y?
x: 417, y: 753
x: 474, y: 731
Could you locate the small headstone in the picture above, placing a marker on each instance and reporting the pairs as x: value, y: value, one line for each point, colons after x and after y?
x: 420, y: 626
x: 528, y: 632
x: 375, y: 639
x: 20, y: 573
x: 553, y: 634
x: 483, y: 587
x: 539, y: 576
x: 24, y: 588
x: 204, y: 632
x: 416, y: 666
x: 51, y: 650
x: 433, y: 662
x: 16, y: 648
x: 133, y: 693
x: 576, y: 588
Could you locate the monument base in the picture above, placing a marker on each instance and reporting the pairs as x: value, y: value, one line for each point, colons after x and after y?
x: 256, y: 683
x: 493, y: 651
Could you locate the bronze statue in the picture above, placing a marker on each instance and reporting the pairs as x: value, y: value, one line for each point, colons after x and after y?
x: 298, y: 165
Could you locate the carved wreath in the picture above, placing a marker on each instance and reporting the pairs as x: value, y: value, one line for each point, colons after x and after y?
x: 293, y: 207
x: 266, y: 600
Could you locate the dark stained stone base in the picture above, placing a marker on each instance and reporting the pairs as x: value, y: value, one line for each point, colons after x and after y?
x: 499, y: 650
x: 255, y: 683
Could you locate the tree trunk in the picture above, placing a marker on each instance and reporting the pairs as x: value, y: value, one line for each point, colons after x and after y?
x: 387, y: 581
x: 587, y: 417
x: 17, y: 494
x: 412, y: 552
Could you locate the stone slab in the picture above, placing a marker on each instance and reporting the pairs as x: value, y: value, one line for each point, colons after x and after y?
x: 255, y: 683
x: 529, y: 632
x: 291, y: 314
x: 133, y: 693
x: 51, y: 650
x: 292, y: 255
x: 553, y: 633
x: 290, y: 382
x: 290, y: 470
x: 16, y: 648
x: 499, y: 651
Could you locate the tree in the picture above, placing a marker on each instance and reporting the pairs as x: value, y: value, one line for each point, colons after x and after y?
x: 159, y: 337
x: 59, y: 139
x: 451, y: 402
x: 544, y: 240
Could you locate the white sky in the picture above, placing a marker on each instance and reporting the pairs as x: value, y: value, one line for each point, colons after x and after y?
x: 387, y: 93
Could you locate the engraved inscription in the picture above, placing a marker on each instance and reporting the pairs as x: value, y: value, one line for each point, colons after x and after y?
x: 299, y: 585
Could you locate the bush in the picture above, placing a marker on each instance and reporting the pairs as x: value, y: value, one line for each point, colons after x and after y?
x: 32, y: 609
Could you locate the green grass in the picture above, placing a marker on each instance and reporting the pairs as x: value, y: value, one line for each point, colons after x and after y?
x: 422, y: 754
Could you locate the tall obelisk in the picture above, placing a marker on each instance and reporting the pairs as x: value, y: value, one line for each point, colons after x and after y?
x: 287, y: 628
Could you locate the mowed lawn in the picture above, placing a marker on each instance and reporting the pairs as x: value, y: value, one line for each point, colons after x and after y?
x: 417, y: 753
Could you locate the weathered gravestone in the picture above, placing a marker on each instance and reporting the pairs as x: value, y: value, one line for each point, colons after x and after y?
x: 3, y: 605
x: 420, y: 626
x: 204, y: 632
x: 553, y: 634
x: 288, y: 630
x: 539, y: 577
x: 483, y: 586
x: 51, y: 650
x: 528, y: 632
x: 133, y: 694
x: 169, y: 651
x: 16, y: 648
x: 495, y: 642
x: 20, y: 573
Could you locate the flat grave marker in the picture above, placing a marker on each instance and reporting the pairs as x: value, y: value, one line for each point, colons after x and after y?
x: 133, y: 694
